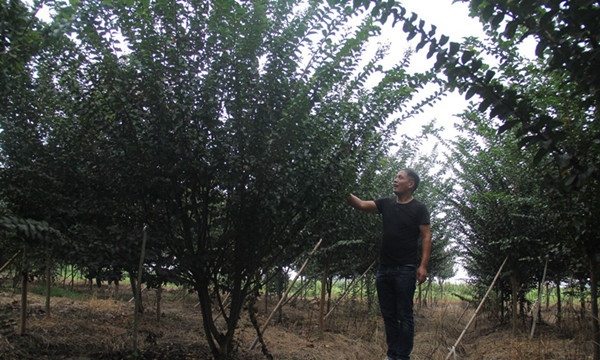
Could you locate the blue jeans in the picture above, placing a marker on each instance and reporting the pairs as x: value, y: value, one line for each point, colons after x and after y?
x: 395, y: 290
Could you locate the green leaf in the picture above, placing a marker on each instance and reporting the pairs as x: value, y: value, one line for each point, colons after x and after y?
x: 454, y: 47
x: 497, y: 19
x: 472, y: 91
x: 443, y: 40
x: 487, y: 12
x: 510, y: 29
x: 489, y: 75
x: 466, y: 56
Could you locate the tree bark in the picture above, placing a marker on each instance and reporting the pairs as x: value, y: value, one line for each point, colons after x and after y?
x: 515, y: 300
x: 138, y: 289
x: 23, y: 317
x: 159, y: 291
x: 132, y: 281
x: 48, y: 284
x: 280, y: 293
x: 266, y: 293
x: 323, y: 299
x: 594, y: 306
x: 547, y: 295
x: 558, y: 302
x: 582, y: 300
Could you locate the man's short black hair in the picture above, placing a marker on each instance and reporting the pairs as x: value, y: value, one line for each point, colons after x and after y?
x: 414, y: 176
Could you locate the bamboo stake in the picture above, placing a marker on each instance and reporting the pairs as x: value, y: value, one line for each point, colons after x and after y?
x: 453, y: 349
x: 296, y: 294
x: 539, y: 299
x: 9, y: 261
x: 264, y: 327
x: 348, y: 290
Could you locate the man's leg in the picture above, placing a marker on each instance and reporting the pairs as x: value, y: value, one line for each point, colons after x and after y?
x: 395, y: 289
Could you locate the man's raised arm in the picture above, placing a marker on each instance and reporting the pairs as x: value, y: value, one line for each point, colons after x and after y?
x: 366, y: 206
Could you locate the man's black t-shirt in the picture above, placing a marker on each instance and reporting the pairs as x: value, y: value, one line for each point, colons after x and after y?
x: 401, y: 230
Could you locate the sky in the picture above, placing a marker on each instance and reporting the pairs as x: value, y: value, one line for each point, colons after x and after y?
x: 451, y: 20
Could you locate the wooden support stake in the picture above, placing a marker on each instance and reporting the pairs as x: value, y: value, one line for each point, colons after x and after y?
x: 453, y: 349
x: 539, y: 299
x: 9, y: 261
x: 264, y: 327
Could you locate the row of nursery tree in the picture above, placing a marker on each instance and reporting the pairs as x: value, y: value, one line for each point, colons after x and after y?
x: 231, y: 132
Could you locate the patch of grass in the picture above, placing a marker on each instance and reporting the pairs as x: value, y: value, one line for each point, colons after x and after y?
x: 56, y: 291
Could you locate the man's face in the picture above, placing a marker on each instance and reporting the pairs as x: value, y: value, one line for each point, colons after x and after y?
x: 402, y: 183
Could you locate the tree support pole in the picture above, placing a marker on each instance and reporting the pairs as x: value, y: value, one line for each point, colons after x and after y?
x: 9, y: 261
x: 453, y: 349
x: 539, y: 300
x: 264, y: 327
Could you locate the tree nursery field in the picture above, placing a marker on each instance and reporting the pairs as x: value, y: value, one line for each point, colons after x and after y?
x: 215, y: 143
x: 99, y: 326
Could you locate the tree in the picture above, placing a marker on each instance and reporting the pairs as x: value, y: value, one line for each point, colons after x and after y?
x: 224, y: 126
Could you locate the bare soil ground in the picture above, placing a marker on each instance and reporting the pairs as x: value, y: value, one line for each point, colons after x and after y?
x: 100, y: 327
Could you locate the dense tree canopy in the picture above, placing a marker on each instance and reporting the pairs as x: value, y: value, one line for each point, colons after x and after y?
x: 231, y: 129
x: 234, y: 130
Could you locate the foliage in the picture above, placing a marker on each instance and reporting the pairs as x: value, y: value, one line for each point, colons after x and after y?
x: 508, y: 199
x: 229, y: 128
x: 568, y: 41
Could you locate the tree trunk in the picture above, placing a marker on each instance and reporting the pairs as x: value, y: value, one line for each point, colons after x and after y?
x: 267, y: 293
x: 116, y: 292
x: 594, y: 306
x: 323, y: 299
x: 279, y: 293
x: 329, y: 289
x: 547, y: 295
x: 25, y: 275
x: 582, y: 300
x: 501, y: 301
x: 221, y: 344
x: 538, y: 304
x: 48, y: 285
x: 515, y: 299
x: 558, y: 303
x: 72, y: 285
x: 66, y: 275
x: 159, y: 292
x: 139, y: 305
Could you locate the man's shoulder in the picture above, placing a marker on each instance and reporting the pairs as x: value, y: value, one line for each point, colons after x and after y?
x: 383, y: 203
x: 419, y: 203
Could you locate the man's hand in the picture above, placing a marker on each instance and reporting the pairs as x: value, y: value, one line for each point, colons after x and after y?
x: 421, y: 274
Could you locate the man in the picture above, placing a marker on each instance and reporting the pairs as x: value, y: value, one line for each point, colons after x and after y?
x: 404, y: 220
